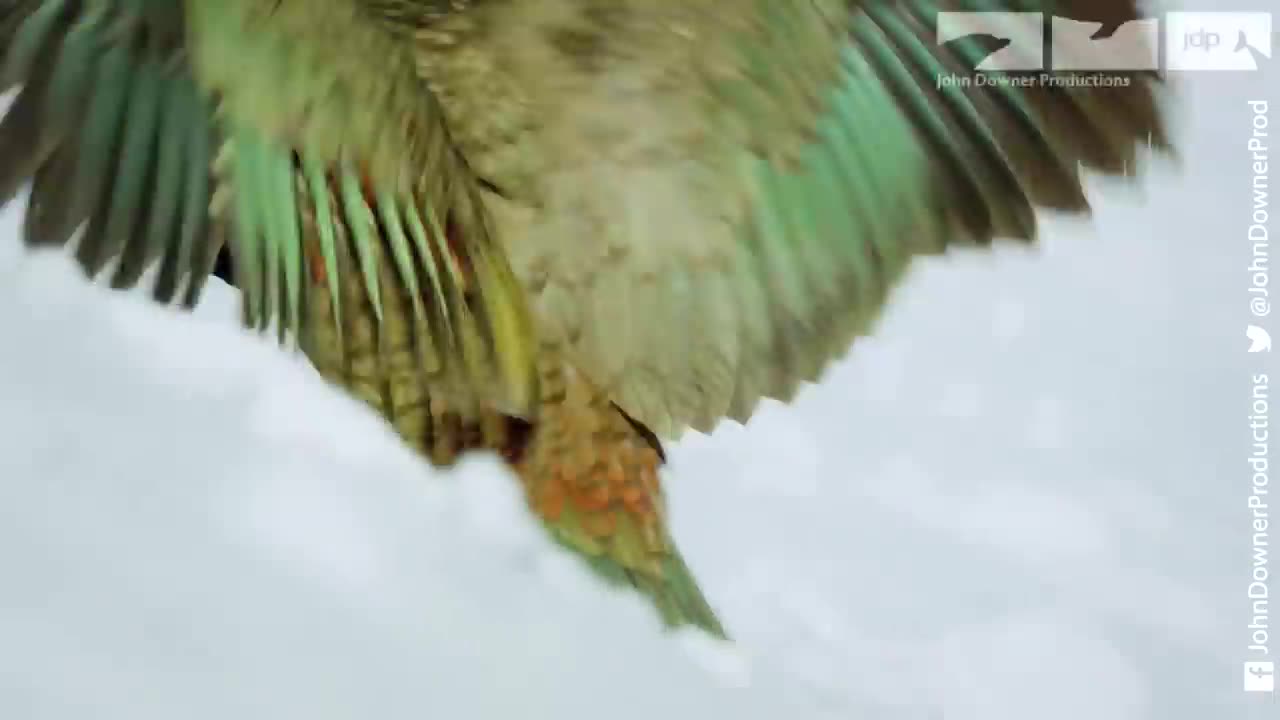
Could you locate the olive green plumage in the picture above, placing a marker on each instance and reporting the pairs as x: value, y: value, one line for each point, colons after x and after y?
x: 633, y: 217
x: 168, y: 128
x: 709, y: 205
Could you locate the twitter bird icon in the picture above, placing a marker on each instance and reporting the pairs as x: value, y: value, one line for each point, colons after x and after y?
x: 1259, y: 339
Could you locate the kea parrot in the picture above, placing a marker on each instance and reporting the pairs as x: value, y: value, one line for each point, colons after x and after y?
x: 562, y: 231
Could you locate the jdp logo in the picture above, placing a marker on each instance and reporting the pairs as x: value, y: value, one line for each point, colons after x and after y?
x: 1217, y: 40
x: 1193, y: 41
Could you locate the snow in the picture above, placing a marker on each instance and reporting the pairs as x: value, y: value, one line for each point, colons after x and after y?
x: 184, y: 535
x: 1024, y: 498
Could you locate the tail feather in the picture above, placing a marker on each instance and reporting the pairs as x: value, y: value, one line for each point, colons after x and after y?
x: 591, y: 475
x: 674, y: 592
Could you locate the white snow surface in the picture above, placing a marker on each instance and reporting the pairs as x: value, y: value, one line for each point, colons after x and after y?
x: 1022, y: 500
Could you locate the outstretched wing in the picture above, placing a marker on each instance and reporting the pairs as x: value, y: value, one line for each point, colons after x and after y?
x: 158, y: 129
x: 727, y: 195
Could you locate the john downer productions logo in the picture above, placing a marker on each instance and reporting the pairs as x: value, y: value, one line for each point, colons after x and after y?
x: 1217, y: 40
x: 1192, y: 41
x: 1075, y: 45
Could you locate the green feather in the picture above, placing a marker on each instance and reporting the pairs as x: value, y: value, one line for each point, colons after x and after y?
x: 249, y: 253
x: 361, y: 224
x: 439, y: 305
x: 76, y: 61
x: 133, y: 170
x: 401, y: 253
x: 290, y: 244
x: 319, y: 192
x: 103, y: 124
x: 28, y: 41
x: 192, y: 132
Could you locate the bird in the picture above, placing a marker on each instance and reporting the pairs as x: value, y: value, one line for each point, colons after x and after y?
x: 563, y: 231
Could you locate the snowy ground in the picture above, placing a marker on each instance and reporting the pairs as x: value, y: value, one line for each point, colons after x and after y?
x: 1024, y: 500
